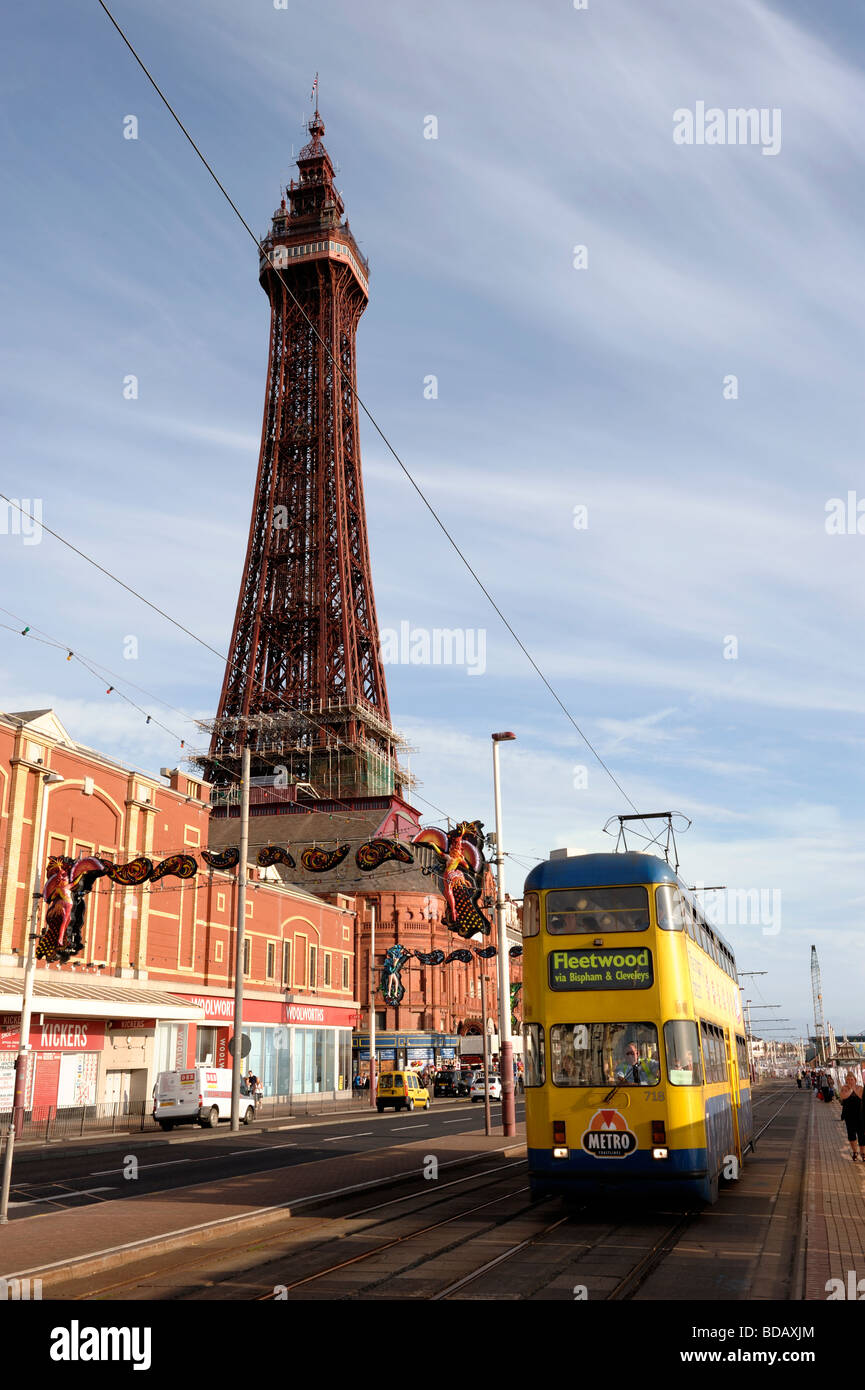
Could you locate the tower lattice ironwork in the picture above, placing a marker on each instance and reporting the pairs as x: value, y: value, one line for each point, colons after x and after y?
x: 304, y: 683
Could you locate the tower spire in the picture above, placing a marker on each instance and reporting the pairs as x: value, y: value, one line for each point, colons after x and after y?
x: 305, y: 682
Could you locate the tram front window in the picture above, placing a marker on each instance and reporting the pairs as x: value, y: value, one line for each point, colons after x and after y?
x: 578, y: 911
x: 604, y: 1054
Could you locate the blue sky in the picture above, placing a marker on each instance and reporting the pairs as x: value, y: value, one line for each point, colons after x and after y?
x: 557, y: 388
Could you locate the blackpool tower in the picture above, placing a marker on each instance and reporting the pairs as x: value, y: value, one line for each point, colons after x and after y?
x: 304, y: 683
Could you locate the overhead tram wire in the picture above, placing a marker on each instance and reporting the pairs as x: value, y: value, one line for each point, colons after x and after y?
x: 368, y: 413
x: 95, y: 669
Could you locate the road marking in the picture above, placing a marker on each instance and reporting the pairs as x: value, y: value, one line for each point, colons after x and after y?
x: 397, y: 1129
x: 207, y: 1158
x: 134, y: 1245
x: 38, y: 1201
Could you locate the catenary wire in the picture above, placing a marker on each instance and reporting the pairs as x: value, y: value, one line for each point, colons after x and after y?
x: 367, y: 412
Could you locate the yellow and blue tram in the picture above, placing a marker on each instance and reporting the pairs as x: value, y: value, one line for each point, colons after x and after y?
x: 636, y: 1064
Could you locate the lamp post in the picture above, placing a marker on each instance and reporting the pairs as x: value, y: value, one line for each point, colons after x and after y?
x: 506, y: 1047
x: 16, y: 1119
x: 373, y: 1080
x: 240, y: 936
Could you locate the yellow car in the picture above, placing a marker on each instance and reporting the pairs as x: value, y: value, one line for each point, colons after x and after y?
x: 402, y: 1090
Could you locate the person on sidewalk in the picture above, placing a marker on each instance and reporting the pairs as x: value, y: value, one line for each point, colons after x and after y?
x: 853, y: 1115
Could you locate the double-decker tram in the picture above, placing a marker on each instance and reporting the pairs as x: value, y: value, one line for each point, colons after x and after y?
x: 636, y: 1064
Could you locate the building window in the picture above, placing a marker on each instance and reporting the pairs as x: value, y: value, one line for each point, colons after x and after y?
x: 286, y: 964
x: 246, y: 955
x: 313, y: 967
x: 345, y: 983
x: 217, y: 952
x: 271, y: 960
x: 327, y: 959
x: 300, y: 961
x: 191, y: 835
x: 220, y: 902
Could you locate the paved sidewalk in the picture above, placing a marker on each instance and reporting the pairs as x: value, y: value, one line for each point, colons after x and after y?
x: 113, y: 1232
x: 834, y: 1209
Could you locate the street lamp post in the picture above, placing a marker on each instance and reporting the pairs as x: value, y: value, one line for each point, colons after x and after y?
x: 506, y: 1047
x: 373, y: 1078
x: 16, y: 1119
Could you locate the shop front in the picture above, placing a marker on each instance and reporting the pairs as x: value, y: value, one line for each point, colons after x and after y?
x: 90, y: 1044
x: 406, y: 1049
x: 297, y: 1049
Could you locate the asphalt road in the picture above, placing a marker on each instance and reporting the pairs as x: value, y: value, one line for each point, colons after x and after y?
x: 69, y: 1179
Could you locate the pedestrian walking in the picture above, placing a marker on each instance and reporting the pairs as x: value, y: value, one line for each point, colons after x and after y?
x: 853, y: 1115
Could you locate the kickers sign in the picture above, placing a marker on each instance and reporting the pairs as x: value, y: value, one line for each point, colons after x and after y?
x: 608, y: 1136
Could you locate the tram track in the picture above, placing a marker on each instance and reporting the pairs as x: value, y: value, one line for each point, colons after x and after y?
x: 565, y: 1252
x: 500, y: 1174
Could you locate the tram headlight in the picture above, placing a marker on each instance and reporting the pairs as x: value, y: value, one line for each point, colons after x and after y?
x: 560, y: 1153
x: 560, y: 1142
x: 660, y: 1153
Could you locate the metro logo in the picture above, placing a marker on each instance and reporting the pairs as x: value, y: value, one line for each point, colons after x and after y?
x: 608, y: 1136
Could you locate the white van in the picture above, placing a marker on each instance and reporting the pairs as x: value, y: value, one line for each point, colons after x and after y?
x: 197, y: 1095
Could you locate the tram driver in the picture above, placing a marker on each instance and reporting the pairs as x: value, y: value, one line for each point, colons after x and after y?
x: 637, y: 1070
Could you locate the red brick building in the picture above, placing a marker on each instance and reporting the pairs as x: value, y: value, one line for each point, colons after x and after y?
x: 153, y: 987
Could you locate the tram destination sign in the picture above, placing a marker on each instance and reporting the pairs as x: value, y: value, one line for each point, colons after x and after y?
x: 623, y: 969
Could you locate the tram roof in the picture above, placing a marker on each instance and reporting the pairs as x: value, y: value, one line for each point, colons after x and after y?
x: 597, y: 870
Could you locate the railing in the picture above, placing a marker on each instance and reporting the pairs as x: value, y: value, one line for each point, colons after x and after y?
x: 44, y: 1123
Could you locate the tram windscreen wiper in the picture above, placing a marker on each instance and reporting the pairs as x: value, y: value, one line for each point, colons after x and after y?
x: 610, y: 1094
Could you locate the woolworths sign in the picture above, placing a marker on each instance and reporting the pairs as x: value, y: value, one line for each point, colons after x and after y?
x: 628, y: 969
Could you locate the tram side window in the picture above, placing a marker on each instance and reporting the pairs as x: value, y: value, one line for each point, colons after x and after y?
x: 576, y: 911
x: 682, y: 1046
x: 742, y: 1056
x: 604, y: 1054
x: 531, y: 914
x: 533, y: 1053
x: 710, y: 1052
x: 690, y: 923
x: 714, y: 1052
x: 669, y: 907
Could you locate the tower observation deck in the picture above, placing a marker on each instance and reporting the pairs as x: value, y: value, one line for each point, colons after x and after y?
x: 304, y: 684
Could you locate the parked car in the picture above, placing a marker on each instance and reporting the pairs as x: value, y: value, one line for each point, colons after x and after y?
x: 402, y: 1090
x: 197, y: 1095
x: 480, y: 1086
x: 452, y: 1083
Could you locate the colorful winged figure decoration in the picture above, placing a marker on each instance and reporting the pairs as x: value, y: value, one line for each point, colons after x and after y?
x: 460, y: 866
x: 516, y: 986
x: 66, y: 886
x: 391, y: 985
